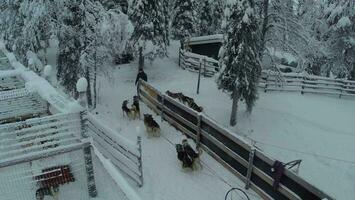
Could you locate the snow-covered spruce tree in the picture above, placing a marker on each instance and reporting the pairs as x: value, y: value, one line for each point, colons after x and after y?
x: 70, y: 45
x: 241, y: 67
x: 339, y: 35
x: 115, y: 4
x: 150, y: 31
x: 205, y: 18
x: 11, y: 22
x: 184, y: 21
x: 217, y: 9
x: 36, y: 32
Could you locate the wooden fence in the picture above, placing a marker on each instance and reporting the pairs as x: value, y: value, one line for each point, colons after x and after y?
x: 195, y: 63
x: 307, y: 84
x: 249, y: 164
x: 124, y: 155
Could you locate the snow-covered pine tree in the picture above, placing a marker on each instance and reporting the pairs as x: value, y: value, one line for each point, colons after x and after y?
x: 11, y: 22
x: 167, y: 15
x: 184, y: 21
x: 70, y: 45
x: 339, y: 35
x: 241, y: 67
x: 217, y: 9
x: 36, y: 31
x: 205, y: 18
x: 150, y: 31
x: 115, y: 4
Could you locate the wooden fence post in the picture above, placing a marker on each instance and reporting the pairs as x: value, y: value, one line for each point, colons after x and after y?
x: 341, y: 88
x: 162, y: 107
x: 90, y: 172
x: 250, y: 166
x: 140, y: 165
x: 198, y: 134
x: 199, y: 77
x: 204, y: 67
x: 266, y: 82
x: 179, y: 57
x: 302, y: 83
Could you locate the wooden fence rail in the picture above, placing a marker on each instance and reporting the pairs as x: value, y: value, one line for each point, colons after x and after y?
x: 249, y: 164
x: 307, y: 84
x: 127, y: 157
x: 194, y: 62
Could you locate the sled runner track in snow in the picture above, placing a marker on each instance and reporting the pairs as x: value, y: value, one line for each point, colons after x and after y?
x: 249, y: 164
x: 308, y: 84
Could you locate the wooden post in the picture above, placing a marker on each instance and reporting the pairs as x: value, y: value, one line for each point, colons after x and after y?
x: 204, y: 67
x: 250, y: 166
x: 199, y: 77
x: 198, y: 135
x: 303, y: 78
x: 162, y: 107
x: 140, y: 166
x: 341, y: 88
x: 90, y: 172
x: 266, y: 82
x: 180, y: 57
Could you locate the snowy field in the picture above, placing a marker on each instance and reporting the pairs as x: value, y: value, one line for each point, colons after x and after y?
x: 288, y: 126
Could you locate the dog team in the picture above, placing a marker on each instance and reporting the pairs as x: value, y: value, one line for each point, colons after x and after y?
x: 190, y: 159
x: 133, y: 113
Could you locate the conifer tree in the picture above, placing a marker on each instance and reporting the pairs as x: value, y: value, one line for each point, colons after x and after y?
x: 70, y: 45
x: 241, y: 67
x: 217, y: 10
x: 205, y: 18
x: 150, y: 31
x: 183, y: 23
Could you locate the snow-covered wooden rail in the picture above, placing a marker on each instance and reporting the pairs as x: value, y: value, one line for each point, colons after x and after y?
x: 122, y: 153
x: 307, y: 84
x: 194, y: 62
x: 249, y: 164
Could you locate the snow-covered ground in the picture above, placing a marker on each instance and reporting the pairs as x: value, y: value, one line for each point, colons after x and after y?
x: 288, y: 126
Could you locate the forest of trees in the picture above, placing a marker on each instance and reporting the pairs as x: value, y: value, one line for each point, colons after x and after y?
x: 320, y: 35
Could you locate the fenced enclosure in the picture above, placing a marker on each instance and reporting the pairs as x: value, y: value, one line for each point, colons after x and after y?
x: 195, y: 63
x: 10, y: 83
x: 307, y: 84
x: 123, y: 154
x: 246, y: 162
x: 19, y: 182
x: 20, y: 105
x: 30, y: 147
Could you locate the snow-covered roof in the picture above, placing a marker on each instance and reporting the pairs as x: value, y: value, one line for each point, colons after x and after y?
x: 208, y: 39
x: 37, y: 84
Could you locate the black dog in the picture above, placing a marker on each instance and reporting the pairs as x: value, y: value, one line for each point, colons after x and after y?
x: 188, y: 157
x: 152, y: 127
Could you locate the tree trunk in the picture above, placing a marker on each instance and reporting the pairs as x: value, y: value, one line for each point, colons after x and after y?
x: 141, y: 59
x: 233, y: 119
x: 264, y: 27
x: 88, y: 93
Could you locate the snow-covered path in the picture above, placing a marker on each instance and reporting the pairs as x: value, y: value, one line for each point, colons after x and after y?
x: 163, y: 175
x: 288, y: 126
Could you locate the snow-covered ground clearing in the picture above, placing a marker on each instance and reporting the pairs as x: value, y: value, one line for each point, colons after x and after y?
x: 287, y: 126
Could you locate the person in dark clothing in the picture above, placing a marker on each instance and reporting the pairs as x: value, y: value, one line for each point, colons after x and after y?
x: 141, y: 75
